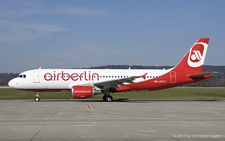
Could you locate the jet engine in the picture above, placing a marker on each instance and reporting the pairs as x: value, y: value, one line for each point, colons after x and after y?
x: 84, y: 91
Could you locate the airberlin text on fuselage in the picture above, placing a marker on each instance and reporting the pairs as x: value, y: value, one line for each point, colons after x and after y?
x: 85, y: 76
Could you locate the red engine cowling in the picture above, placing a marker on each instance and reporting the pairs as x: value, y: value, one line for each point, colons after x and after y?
x: 82, y: 91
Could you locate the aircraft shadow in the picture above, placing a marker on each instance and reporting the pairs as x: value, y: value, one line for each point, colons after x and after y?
x: 118, y: 100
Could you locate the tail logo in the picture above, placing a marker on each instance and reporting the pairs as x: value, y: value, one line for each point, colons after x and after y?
x: 197, y: 54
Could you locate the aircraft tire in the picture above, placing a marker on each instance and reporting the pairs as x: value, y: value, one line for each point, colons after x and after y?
x: 37, y: 99
x: 104, y: 98
x: 107, y: 98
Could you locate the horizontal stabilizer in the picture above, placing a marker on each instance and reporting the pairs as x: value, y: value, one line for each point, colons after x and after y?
x: 200, y: 75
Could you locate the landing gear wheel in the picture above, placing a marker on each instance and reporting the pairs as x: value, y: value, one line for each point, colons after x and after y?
x: 37, y: 96
x: 37, y: 99
x: 104, y: 98
x: 108, y: 98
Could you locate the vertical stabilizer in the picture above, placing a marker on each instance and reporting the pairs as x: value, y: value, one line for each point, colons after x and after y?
x: 195, y: 57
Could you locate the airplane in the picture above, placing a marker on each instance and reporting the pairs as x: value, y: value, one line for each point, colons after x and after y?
x: 84, y: 83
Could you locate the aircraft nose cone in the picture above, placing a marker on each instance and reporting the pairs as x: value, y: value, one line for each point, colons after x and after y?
x: 11, y: 83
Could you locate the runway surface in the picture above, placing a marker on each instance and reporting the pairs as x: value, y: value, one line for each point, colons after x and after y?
x: 88, y: 120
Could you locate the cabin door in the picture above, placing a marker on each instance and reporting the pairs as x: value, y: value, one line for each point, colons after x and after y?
x: 172, y: 77
x: 36, y: 77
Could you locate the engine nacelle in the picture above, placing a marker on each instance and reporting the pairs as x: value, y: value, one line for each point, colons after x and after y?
x: 84, y: 91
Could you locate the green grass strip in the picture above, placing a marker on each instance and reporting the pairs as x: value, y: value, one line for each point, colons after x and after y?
x: 167, y: 94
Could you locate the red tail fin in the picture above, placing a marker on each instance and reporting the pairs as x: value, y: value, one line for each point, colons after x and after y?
x: 195, y: 57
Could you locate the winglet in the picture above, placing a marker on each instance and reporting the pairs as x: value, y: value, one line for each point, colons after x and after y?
x: 144, y: 75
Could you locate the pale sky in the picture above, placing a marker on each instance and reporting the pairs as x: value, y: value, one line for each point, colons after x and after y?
x: 88, y: 33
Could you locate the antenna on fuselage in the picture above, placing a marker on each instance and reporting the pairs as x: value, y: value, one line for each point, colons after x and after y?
x: 39, y: 67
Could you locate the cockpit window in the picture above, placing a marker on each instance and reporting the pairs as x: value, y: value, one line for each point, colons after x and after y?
x: 22, y: 76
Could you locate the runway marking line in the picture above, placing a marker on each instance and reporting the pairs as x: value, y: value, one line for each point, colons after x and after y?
x: 88, y: 106
x: 91, y: 106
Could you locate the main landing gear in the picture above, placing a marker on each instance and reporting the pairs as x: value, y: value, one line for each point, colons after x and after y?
x: 37, y: 98
x: 107, y: 96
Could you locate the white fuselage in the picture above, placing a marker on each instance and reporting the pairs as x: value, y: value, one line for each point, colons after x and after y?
x: 84, y: 83
x: 64, y: 79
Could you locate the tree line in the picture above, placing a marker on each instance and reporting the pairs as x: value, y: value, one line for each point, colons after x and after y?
x: 5, y: 77
x: 218, y: 79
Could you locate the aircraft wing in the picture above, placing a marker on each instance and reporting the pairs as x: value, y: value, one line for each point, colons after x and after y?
x: 110, y: 83
x: 114, y: 83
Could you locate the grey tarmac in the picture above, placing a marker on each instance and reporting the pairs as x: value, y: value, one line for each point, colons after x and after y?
x: 120, y: 120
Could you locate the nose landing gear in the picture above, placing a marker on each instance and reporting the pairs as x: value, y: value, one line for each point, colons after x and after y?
x: 37, y: 98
